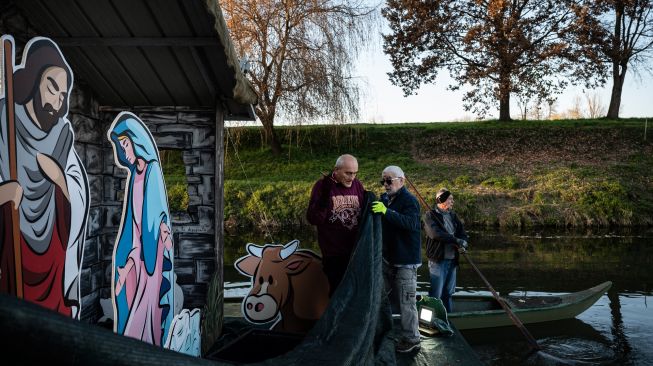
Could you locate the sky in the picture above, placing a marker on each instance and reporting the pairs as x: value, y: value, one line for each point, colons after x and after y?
x: 383, y: 102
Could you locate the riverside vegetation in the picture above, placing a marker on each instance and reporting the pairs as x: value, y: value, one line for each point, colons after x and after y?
x: 568, y: 173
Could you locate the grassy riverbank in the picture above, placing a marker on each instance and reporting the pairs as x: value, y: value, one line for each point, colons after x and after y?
x: 515, y: 174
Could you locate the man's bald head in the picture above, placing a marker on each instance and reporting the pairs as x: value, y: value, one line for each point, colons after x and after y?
x: 346, y: 169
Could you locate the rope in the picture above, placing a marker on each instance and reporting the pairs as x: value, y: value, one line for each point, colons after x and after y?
x: 268, y: 232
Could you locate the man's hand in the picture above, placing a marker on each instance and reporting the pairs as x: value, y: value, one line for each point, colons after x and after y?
x: 11, y: 191
x: 53, y: 172
x: 325, y: 194
x: 379, y: 207
x: 462, y: 245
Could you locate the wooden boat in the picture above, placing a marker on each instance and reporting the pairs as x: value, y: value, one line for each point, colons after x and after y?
x: 474, y: 312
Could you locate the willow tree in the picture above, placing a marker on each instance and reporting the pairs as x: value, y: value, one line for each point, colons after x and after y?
x: 497, y: 48
x: 301, y: 55
x: 620, y: 32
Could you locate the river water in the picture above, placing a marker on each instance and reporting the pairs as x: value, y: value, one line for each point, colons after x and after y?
x: 617, y: 330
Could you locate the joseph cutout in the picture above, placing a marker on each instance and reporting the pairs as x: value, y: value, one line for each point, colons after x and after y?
x: 50, y: 189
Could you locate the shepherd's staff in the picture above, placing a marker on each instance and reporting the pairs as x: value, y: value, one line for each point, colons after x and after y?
x: 511, y: 315
x: 7, y: 45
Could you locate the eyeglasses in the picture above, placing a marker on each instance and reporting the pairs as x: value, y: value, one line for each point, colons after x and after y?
x: 387, y: 181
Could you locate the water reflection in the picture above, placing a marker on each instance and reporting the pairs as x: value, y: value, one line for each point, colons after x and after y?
x: 620, y: 345
x: 615, y: 331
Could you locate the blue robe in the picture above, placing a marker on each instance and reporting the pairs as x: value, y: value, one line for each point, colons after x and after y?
x: 155, y: 211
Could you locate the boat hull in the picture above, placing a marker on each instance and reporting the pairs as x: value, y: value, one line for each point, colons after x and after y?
x: 568, y: 306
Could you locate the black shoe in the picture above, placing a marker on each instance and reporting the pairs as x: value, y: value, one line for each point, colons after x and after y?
x: 405, y: 346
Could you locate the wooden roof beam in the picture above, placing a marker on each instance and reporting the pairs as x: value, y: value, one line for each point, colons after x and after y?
x: 137, y: 41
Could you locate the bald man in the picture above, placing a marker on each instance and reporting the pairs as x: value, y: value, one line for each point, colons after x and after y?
x: 335, y: 209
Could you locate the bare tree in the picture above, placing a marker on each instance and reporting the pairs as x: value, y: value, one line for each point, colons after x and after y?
x: 302, y: 54
x: 500, y: 48
x: 576, y: 109
x: 551, y: 109
x: 619, y: 33
x: 537, y: 109
x: 594, y: 105
x: 522, y: 104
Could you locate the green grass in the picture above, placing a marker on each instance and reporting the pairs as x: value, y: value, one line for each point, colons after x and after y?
x: 512, y: 174
x: 174, y: 172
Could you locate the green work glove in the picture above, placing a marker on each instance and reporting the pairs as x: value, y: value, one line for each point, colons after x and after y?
x: 379, y: 207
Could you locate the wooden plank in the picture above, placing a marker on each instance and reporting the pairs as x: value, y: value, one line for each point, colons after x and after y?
x: 83, y: 67
x: 138, y: 42
x: 204, y: 91
x: 68, y: 16
x: 138, y: 19
x: 207, y: 81
x: 169, y: 72
x: 171, y: 18
x: 202, y: 24
x: 35, y: 10
x: 86, y: 70
x: 112, y: 69
x: 105, y: 19
x: 220, y: 70
x: 144, y: 20
x: 173, y: 22
x: 128, y: 70
x: 143, y: 74
x: 218, y: 219
x: 101, y: 63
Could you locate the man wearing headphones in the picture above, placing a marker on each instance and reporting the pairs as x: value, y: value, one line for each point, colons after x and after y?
x: 446, y: 238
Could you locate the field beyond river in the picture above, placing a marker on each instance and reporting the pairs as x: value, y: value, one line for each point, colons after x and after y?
x: 522, y: 174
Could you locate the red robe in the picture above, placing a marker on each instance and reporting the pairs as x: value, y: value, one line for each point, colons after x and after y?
x: 42, y: 273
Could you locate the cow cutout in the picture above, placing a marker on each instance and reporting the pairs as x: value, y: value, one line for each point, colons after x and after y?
x: 289, y: 287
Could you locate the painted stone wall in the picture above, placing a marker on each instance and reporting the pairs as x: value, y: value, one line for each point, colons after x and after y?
x: 193, y: 230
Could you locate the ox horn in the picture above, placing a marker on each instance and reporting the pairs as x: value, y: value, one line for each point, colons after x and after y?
x: 255, y: 250
x: 289, y: 249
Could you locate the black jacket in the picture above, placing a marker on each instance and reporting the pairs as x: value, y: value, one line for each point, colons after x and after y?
x: 437, y: 235
x: 401, y: 229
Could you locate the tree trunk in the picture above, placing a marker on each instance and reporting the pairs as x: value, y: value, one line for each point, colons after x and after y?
x: 504, y: 90
x: 504, y: 106
x: 271, y: 136
x: 618, y: 76
x: 618, y: 63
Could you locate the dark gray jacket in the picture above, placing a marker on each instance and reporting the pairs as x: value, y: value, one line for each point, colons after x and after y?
x: 437, y: 235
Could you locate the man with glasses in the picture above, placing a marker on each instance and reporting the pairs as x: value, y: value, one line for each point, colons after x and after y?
x: 446, y: 237
x: 401, y: 252
x: 335, y: 209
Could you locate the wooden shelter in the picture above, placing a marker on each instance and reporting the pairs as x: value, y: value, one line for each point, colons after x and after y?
x: 172, y: 63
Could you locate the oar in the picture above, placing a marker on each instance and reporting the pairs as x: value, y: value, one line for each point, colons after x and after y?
x: 511, y: 315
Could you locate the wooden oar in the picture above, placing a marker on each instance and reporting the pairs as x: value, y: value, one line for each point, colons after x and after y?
x: 511, y: 314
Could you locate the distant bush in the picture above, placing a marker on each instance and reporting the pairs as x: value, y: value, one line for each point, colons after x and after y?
x: 508, y: 182
x: 607, y: 202
x: 178, y: 197
x: 174, y: 173
x: 266, y: 205
x: 463, y: 181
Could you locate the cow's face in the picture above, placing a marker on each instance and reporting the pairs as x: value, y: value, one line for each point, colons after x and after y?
x: 270, y: 267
